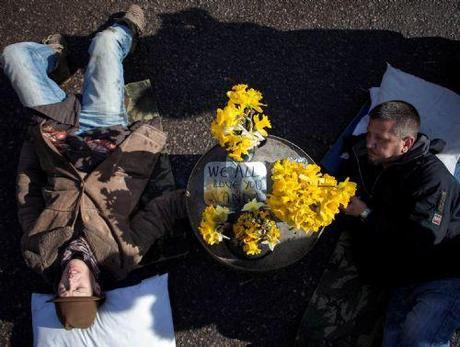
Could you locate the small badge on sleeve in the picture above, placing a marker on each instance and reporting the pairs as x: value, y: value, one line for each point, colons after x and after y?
x: 437, y: 218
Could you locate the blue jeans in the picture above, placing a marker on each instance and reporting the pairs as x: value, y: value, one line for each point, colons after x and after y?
x: 423, y: 315
x: 27, y: 65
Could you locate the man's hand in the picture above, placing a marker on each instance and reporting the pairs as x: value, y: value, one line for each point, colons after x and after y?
x: 355, y: 207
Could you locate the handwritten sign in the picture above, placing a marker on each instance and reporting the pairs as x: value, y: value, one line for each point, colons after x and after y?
x: 233, y: 184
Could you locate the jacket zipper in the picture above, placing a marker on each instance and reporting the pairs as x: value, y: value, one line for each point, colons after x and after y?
x: 80, y: 197
x: 371, y: 192
x: 360, y: 171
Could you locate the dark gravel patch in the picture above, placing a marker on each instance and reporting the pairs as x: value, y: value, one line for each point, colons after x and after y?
x: 313, y: 61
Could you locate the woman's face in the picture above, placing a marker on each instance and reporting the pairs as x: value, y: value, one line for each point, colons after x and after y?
x: 77, y: 280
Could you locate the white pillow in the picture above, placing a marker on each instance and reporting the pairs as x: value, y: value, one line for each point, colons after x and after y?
x: 133, y: 316
x: 439, y: 109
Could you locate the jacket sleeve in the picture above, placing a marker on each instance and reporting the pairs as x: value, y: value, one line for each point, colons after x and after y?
x: 30, y: 180
x: 434, y: 194
x: 408, y: 243
x: 157, y: 219
x: 161, y: 181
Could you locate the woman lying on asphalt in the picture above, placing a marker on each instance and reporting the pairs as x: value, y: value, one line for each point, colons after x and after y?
x: 83, y: 171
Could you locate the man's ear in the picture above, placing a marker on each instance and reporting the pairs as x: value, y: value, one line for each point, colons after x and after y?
x: 408, y: 142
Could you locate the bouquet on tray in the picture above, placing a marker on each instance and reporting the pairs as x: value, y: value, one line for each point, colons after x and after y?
x: 301, y: 196
x: 241, y: 125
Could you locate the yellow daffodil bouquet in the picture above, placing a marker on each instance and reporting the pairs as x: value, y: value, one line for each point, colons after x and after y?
x: 301, y: 196
x: 252, y: 229
x: 241, y: 125
x: 304, y: 198
x: 212, y: 224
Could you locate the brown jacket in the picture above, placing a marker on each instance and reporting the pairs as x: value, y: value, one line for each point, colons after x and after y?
x: 51, y: 193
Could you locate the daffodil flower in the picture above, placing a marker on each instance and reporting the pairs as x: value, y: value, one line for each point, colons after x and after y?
x: 212, y: 221
x: 304, y: 198
x: 240, y: 125
x: 252, y: 205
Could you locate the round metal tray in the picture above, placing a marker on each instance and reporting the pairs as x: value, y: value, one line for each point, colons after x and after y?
x: 294, y: 244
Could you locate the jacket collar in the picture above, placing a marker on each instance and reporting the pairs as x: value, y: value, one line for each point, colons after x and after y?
x: 420, y: 148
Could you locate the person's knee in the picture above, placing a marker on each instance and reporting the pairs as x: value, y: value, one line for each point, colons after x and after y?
x: 418, y: 330
x: 14, y: 54
x: 105, y: 40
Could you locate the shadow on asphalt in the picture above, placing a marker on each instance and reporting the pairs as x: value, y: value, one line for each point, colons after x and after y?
x: 314, y: 82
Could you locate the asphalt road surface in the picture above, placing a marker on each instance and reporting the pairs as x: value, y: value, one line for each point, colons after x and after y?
x: 314, y: 62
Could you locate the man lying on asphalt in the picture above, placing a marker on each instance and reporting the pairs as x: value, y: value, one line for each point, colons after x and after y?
x: 83, y: 170
x: 404, y: 237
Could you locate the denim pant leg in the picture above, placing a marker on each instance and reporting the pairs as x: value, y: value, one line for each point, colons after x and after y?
x: 457, y: 171
x: 27, y: 65
x: 399, y: 306
x: 103, y: 88
x: 431, y: 314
